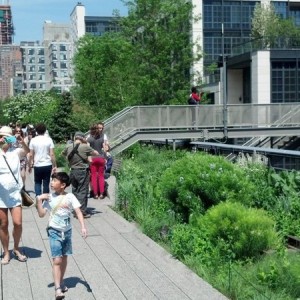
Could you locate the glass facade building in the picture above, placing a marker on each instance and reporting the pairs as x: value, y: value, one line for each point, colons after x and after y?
x: 236, y: 17
x: 227, y: 26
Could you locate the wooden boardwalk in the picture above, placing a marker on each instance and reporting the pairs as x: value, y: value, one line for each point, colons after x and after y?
x: 115, y: 262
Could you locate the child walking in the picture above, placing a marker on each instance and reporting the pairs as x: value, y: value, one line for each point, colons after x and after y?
x: 60, y: 205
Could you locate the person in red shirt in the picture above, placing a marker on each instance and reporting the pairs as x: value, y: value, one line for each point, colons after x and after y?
x: 195, y: 95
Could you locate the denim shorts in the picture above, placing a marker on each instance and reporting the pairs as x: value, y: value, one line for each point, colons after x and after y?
x: 60, y: 242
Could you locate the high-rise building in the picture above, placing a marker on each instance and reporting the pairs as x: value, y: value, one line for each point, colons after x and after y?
x: 49, y: 65
x: 33, y: 61
x: 223, y: 27
x: 6, y: 25
x: 10, y: 56
x: 10, y: 66
x: 58, y: 53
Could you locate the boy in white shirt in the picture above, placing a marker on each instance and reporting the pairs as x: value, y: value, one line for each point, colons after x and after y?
x: 60, y: 206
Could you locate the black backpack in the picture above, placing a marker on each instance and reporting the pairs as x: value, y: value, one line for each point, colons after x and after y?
x: 192, y: 101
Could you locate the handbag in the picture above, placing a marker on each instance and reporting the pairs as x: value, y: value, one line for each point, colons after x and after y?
x: 27, y: 200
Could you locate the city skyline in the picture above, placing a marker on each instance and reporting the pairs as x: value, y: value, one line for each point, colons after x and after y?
x: 29, y: 16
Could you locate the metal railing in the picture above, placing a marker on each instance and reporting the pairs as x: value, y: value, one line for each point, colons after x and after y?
x: 185, y: 118
x: 264, y: 140
x: 280, y: 43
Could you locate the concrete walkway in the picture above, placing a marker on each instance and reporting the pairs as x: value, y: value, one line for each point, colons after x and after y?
x: 116, y: 261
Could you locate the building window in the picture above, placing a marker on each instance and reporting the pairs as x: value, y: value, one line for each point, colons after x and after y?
x: 63, y: 56
x: 236, y: 17
x: 41, y: 51
x: 32, y: 76
x: 63, y: 65
x: 285, y: 79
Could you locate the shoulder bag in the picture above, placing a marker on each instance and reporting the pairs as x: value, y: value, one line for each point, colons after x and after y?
x: 27, y: 200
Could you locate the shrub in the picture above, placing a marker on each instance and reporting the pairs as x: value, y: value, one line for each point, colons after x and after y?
x: 239, y: 232
x: 198, y: 181
x: 188, y: 241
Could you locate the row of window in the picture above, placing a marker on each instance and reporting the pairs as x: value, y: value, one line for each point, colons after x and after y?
x: 61, y: 74
x: 285, y: 84
x: 41, y: 86
x: 233, y: 14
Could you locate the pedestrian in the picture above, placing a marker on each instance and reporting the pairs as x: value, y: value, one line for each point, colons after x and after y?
x: 10, y: 198
x: 42, y: 159
x: 77, y: 155
x: 109, y: 161
x: 97, y: 163
x: 194, y: 98
x: 59, y: 205
x: 100, y: 127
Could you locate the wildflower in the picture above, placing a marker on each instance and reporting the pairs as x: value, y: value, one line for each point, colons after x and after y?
x: 212, y: 166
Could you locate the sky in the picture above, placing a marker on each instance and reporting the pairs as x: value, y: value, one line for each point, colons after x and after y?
x: 29, y: 15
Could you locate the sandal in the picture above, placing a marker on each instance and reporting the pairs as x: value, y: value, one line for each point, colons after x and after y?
x: 20, y: 257
x: 59, y: 294
x: 64, y: 288
x: 5, y: 260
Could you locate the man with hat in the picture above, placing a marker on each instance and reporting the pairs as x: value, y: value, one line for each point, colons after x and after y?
x: 10, y: 186
x: 77, y: 155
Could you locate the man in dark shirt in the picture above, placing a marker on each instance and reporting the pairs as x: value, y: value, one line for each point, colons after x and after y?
x: 77, y: 155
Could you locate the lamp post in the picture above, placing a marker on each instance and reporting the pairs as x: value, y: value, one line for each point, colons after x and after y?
x: 224, y: 80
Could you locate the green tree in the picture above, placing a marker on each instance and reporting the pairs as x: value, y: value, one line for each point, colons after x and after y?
x: 271, y: 30
x: 32, y: 108
x: 148, y: 62
x: 105, y: 73
x: 161, y: 32
x: 60, y: 125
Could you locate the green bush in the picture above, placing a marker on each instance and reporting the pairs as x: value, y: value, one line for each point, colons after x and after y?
x: 237, y: 231
x: 198, y: 181
x: 188, y: 241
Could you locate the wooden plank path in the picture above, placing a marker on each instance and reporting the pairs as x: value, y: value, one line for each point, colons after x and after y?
x: 116, y: 261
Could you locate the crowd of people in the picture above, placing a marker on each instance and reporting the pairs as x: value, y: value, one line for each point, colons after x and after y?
x: 31, y: 149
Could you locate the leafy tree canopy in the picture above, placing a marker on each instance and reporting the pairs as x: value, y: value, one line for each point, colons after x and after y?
x: 147, y: 62
x: 271, y: 29
x: 32, y: 108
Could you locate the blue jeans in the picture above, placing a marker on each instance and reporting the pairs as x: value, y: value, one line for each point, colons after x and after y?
x: 42, y: 178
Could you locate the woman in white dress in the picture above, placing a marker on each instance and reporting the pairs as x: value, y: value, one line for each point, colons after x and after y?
x: 10, y: 198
